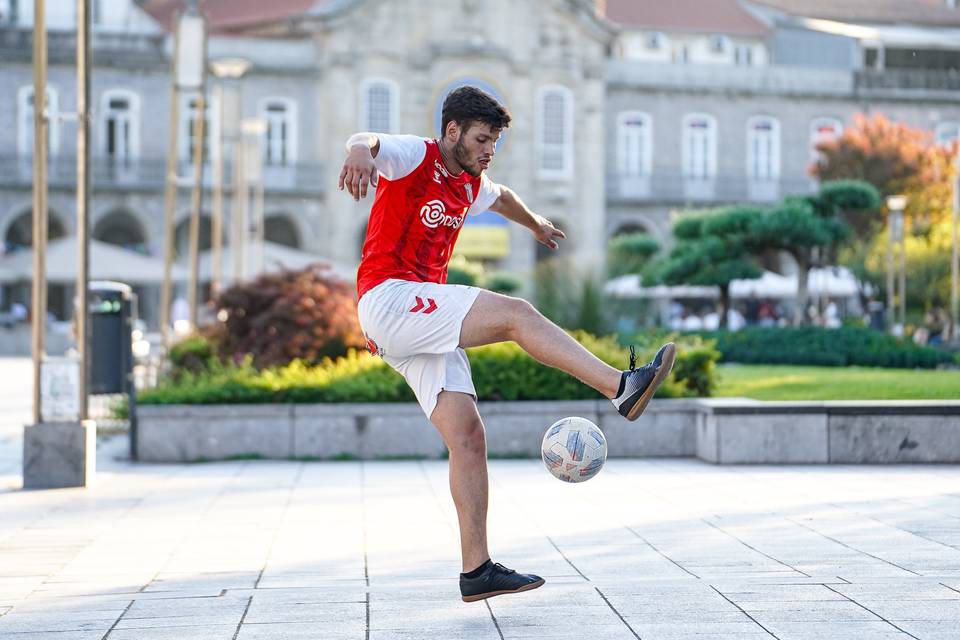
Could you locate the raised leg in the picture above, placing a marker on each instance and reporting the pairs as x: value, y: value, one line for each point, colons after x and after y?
x: 498, y: 318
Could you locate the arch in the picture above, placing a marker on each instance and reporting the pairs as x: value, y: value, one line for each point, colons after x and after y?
x: 625, y: 228
x: 282, y: 229
x: 181, y: 235
x: 121, y: 228
x: 19, y: 233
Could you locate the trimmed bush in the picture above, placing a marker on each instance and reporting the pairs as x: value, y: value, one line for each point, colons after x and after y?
x: 846, y: 346
x: 500, y: 372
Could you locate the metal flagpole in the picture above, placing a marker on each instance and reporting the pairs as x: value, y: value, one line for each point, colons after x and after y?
x: 83, y: 197
x: 40, y: 128
x: 955, y: 249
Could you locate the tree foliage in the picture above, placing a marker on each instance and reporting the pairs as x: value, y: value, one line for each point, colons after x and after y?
x: 630, y: 253
x: 304, y: 314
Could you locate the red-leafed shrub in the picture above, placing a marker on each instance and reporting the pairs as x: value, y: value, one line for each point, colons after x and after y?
x: 306, y: 314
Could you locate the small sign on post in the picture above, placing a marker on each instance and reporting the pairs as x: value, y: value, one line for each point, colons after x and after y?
x: 60, y: 390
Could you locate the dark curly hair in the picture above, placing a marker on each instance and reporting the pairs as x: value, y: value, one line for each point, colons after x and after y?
x: 465, y: 105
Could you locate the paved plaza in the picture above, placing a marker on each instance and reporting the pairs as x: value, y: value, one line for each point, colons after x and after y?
x: 655, y: 548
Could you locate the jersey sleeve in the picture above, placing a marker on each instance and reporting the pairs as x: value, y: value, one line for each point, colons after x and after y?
x: 489, y: 192
x: 399, y: 155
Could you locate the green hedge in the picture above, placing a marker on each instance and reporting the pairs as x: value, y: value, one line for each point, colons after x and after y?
x: 845, y: 346
x: 500, y: 372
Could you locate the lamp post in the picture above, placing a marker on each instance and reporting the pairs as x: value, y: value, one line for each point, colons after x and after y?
x: 229, y: 71
x: 188, y: 74
x: 40, y: 130
x: 253, y: 130
x: 83, y: 199
x: 895, y: 243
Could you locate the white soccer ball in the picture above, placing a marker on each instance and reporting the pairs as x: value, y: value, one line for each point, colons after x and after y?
x: 574, y: 449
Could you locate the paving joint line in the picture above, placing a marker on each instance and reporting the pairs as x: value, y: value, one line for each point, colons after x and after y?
x: 665, y: 556
x: 754, y: 549
x: 243, y: 617
x: 847, y: 546
x: 117, y: 621
x: 363, y: 526
x: 893, y: 526
x: 622, y: 619
x: 494, y: 618
x: 871, y: 612
x: 564, y: 556
x: 744, y: 612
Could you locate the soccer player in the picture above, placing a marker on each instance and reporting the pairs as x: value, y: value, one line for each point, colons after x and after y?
x: 421, y: 326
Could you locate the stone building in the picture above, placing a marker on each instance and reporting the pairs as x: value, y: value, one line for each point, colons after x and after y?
x: 626, y: 112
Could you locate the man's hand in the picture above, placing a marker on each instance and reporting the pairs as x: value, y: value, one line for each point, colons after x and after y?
x: 359, y: 171
x: 545, y: 232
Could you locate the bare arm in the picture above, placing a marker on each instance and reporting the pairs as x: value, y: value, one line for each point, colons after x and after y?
x: 511, y: 207
x: 359, y: 170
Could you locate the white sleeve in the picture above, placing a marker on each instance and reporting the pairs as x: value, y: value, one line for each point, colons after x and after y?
x: 399, y: 155
x: 489, y: 192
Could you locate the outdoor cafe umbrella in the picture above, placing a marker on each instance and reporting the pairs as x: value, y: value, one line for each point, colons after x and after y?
x: 107, y: 262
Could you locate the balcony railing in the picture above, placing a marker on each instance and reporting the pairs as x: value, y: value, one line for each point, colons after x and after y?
x: 148, y: 174
x: 908, y: 79
x: 677, y: 189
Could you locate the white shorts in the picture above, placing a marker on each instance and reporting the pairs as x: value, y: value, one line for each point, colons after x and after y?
x: 415, y: 328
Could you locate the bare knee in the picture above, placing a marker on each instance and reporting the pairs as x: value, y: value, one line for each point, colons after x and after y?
x: 469, y: 440
x: 520, y: 313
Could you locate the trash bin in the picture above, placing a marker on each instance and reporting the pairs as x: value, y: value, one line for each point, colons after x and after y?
x: 111, y: 325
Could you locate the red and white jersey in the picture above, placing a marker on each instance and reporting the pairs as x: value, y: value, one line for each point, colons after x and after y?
x: 417, y: 213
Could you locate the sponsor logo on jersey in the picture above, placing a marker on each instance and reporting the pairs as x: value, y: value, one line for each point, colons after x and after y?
x: 434, y: 214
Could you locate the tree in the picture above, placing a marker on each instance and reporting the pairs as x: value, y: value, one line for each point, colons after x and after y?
x: 711, y: 250
x: 630, y: 253
x: 812, y: 228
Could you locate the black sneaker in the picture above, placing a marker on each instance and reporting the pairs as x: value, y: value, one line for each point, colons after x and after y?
x: 495, y: 580
x: 637, y: 386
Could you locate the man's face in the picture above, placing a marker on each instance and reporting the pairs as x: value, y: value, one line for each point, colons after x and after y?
x: 475, y: 146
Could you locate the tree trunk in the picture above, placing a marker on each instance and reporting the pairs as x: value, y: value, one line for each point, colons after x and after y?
x: 724, y: 304
x: 800, y: 317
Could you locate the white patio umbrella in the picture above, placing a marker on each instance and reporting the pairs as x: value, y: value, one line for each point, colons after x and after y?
x: 107, y: 262
x: 628, y: 286
x: 276, y: 257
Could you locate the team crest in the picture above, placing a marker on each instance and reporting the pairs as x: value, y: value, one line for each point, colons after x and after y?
x: 469, y: 189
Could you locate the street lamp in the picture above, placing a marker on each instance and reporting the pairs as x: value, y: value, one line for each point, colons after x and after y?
x: 895, y: 205
x: 229, y: 71
x: 253, y: 131
x: 188, y: 74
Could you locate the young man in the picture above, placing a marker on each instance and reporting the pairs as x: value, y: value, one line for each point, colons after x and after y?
x: 421, y: 326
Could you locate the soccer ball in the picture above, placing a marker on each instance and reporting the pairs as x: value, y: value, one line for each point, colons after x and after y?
x: 574, y: 449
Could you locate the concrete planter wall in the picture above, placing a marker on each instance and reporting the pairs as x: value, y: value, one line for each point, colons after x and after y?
x: 725, y: 431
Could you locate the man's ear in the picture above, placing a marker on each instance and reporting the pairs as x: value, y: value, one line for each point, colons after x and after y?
x: 453, y: 130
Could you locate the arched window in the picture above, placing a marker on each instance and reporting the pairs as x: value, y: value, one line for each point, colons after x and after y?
x: 555, y: 132
x: 378, y: 111
x: 211, y: 126
x: 280, y: 145
x: 122, y: 229
x: 281, y: 229
x: 947, y: 133
x: 823, y: 130
x: 763, y: 148
x: 25, y: 121
x: 120, y: 125
x: 634, y: 144
x: 699, y: 146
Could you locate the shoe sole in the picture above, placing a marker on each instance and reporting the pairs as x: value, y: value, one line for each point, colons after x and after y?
x: 666, y: 366
x: 484, y: 596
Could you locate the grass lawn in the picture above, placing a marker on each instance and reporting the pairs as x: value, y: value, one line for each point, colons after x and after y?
x: 776, y: 382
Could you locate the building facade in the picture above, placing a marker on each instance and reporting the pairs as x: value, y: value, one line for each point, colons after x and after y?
x: 626, y: 113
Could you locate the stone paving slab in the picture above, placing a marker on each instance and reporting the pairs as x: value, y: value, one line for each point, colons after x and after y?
x: 651, y: 549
